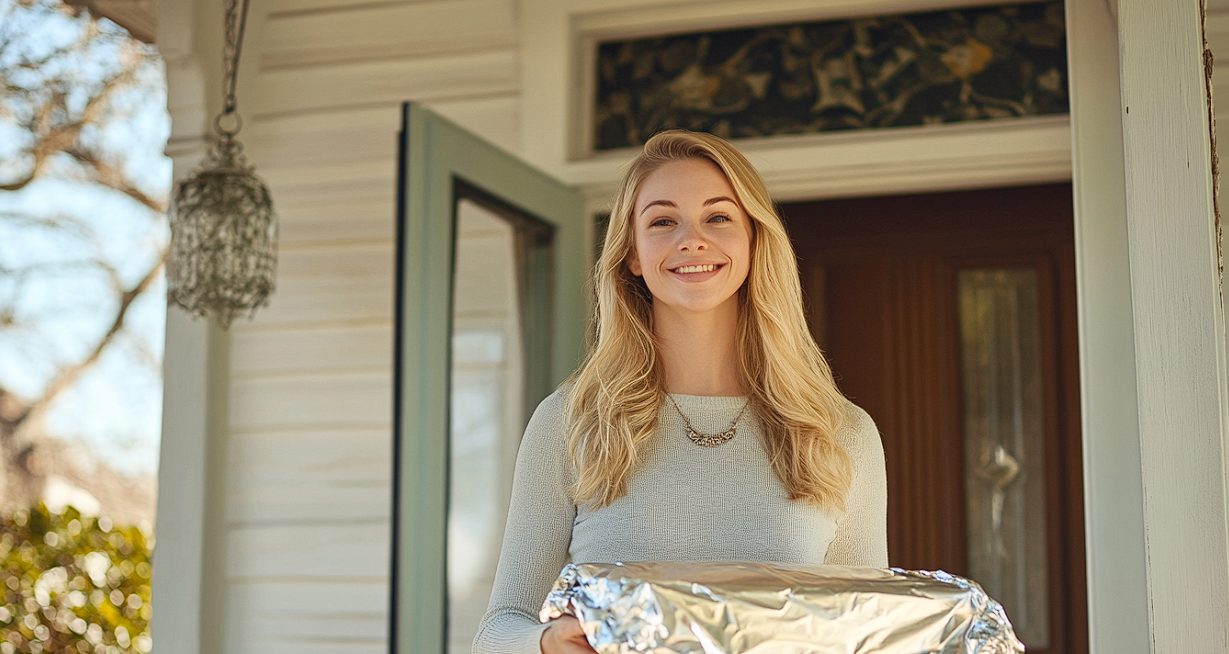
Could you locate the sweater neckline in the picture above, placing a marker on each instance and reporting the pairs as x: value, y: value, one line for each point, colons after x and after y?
x: 709, y: 402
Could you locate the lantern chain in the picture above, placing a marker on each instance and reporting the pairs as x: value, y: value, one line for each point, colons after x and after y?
x: 235, y: 24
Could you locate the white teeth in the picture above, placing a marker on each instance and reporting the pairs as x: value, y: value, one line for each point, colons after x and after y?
x: 708, y: 267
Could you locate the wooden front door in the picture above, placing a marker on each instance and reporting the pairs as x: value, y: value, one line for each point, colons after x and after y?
x: 951, y: 318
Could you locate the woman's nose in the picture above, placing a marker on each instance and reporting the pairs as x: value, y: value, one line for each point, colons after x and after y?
x: 691, y: 239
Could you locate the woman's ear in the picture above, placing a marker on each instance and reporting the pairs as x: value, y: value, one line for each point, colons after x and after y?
x: 633, y: 264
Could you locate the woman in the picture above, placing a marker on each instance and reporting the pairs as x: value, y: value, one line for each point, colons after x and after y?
x: 705, y: 425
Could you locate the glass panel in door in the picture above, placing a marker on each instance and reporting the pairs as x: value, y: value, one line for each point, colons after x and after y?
x: 487, y: 398
x: 1004, y: 444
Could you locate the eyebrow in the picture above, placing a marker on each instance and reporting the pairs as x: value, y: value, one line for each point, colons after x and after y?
x: 668, y: 203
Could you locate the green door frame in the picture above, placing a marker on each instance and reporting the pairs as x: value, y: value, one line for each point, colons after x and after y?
x: 434, y: 155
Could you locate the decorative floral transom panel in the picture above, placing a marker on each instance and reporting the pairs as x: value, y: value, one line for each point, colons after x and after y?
x: 882, y: 71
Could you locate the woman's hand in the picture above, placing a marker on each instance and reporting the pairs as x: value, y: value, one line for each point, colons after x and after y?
x: 564, y: 636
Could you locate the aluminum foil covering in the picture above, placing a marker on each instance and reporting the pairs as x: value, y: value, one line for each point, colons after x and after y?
x: 736, y: 608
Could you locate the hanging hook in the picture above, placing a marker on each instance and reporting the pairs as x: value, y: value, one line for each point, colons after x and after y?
x: 224, y: 131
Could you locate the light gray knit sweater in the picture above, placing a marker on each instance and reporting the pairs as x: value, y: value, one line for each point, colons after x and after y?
x: 686, y: 503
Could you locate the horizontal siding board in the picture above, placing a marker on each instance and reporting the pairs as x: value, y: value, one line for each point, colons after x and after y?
x: 349, y: 399
x: 332, y: 285
x: 284, y: 8
x: 325, y: 145
x: 426, y: 79
x: 388, y: 30
x: 338, y: 193
x: 314, y: 610
x: 338, y: 629
x: 340, y: 551
x: 496, y: 119
x: 311, y: 349
x: 298, y: 180
x: 370, y: 644
x: 309, y: 598
x: 298, y: 126
x: 310, y: 475
x: 302, y: 223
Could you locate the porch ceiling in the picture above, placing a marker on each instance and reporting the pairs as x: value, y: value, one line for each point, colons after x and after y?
x: 139, y: 17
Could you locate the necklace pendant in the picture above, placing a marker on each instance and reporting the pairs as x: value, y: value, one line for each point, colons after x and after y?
x: 711, y: 440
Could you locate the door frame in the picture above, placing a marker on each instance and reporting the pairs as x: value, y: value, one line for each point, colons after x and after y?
x: 1087, y: 151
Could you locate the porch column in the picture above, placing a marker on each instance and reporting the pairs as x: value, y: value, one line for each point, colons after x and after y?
x: 1113, y: 484
x: 189, y: 579
x: 1179, y: 322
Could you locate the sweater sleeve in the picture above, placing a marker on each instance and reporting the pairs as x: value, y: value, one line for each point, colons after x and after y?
x: 862, y: 534
x: 536, y: 539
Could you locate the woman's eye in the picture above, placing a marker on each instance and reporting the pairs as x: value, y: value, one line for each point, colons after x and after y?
x: 719, y: 218
x: 661, y: 222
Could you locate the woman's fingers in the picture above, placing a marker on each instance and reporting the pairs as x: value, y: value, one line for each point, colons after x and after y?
x: 564, y: 636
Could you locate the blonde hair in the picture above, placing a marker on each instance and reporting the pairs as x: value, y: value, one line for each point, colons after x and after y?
x: 615, y: 397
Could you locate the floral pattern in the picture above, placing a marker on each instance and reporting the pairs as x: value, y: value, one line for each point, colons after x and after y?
x: 882, y: 71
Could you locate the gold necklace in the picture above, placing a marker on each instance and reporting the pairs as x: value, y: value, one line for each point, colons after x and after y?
x: 709, y: 440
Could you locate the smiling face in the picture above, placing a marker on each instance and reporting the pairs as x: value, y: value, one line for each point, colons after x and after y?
x: 693, y: 240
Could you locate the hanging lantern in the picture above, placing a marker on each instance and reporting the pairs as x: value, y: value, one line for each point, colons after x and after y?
x: 223, y: 230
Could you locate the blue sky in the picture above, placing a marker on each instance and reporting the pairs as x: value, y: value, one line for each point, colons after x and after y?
x: 116, y: 407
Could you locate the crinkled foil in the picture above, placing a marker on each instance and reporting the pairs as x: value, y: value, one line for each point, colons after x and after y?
x: 736, y: 608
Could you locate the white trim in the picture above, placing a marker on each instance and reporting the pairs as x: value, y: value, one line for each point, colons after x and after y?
x: 888, y: 161
x: 1179, y: 322
x: 1113, y: 488
x: 557, y: 51
x: 189, y: 567
x: 181, y: 533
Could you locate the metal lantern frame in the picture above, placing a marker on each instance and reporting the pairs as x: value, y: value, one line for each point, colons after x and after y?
x: 223, y: 255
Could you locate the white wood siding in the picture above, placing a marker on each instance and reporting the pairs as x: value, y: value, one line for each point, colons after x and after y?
x: 308, y: 502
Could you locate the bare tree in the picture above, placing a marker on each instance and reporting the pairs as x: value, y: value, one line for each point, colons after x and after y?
x: 71, y: 91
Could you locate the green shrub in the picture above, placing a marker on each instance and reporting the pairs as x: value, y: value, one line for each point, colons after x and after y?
x: 73, y: 584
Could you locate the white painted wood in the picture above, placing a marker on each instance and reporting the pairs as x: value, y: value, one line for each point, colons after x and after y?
x: 274, y: 615
x: 311, y: 599
x: 452, y: 77
x: 1113, y: 487
x: 371, y: 645
x: 901, y: 160
x: 1179, y: 323
x: 342, y: 283
x: 298, y: 126
x: 188, y: 581
x: 335, y: 192
x: 303, y: 401
x: 346, y: 136
x: 336, y: 628
x: 349, y: 140
x: 494, y: 118
x: 301, y: 180
x: 181, y: 494
x: 298, y: 475
x: 303, y: 223
x: 287, y: 8
x: 325, y: 550
x: 383, y: 30
x: 139, y: 17
x: 332, y: 347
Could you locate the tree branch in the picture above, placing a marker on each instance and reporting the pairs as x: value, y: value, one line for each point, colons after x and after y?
x: 34, y: 410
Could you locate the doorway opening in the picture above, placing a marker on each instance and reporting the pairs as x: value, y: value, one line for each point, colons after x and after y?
x: 951, y: 318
